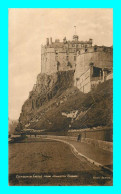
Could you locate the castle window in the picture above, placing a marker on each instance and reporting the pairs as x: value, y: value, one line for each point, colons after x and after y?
x: 104, y: 49
x: 95, y: 49
x: 67, y: 58
x: 86, y: 50
x: 74, y: 58
x: 58, y: 65
x: 69, y: 64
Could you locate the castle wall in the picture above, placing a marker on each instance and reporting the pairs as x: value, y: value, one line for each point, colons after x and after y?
x: 83, y: 83
x: 101, y: 57
x: 50, y: 59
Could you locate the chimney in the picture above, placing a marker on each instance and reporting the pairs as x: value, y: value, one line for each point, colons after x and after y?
x: 47, y: 41
x: 50, y: 40
x: 91, y: 40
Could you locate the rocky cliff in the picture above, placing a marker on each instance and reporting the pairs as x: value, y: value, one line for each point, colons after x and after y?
x: 55, y: 104
x: 47, y: 87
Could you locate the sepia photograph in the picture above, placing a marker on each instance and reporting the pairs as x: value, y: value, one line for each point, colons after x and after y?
x: 60, y: 96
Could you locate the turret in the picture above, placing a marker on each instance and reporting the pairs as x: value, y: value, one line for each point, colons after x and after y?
x: 47, y: 41
x: 50, y: 40
x: 75, y: 37
x: 91, y: 41
x: 64, y: 40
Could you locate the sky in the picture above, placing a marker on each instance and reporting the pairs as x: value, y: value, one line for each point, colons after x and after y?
x: 28, y: 30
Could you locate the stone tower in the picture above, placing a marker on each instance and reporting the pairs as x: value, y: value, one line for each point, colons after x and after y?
x: 61, y: 56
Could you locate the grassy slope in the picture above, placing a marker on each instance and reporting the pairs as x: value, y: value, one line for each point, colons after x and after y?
x: 94, y: 108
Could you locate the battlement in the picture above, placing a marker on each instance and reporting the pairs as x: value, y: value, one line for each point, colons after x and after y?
x: 93, y: 49
x: 57, y: 43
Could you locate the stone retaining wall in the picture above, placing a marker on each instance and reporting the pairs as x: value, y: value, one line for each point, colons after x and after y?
x: 105, y: 145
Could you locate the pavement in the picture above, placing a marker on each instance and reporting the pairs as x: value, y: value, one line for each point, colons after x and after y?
x: 93, y: 154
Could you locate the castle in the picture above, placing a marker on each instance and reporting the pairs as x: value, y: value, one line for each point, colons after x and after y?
x: 61, y: 56
x: 92, y: 64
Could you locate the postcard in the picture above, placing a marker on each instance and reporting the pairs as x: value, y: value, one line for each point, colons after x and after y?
x: 60, y: 97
